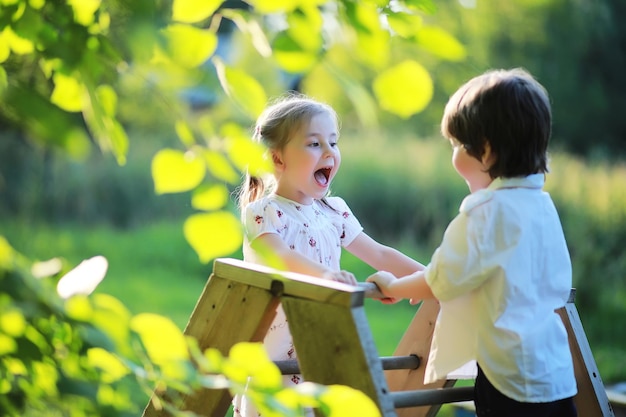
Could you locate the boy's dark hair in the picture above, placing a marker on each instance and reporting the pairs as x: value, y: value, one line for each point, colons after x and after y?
x: 508, y: 109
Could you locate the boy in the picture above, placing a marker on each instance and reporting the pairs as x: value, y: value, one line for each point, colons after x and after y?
x: 503, y: 266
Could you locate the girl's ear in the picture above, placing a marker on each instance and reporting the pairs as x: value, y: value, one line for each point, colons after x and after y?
x: 277, y: 160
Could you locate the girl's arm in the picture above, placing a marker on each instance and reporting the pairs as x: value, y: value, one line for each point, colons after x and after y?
x: 381, y: 257
x: 296, y: 262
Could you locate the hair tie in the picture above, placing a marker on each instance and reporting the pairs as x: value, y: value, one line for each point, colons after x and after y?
x: 257, y: 130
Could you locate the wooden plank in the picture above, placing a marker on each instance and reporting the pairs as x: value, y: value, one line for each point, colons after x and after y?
x: 416, y: 341
x: 217, y: 322
x: 288, y: 283
x: 591, y: 400
x: 334, y: 345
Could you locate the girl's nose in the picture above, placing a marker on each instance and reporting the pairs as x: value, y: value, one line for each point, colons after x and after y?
x: 328, y: 150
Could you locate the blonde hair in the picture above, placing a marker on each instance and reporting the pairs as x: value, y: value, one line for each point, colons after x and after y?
x: 274, y: 128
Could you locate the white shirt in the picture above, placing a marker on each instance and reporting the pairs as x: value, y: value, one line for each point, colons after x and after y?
x: 500, y: 273
x: 315, y: 231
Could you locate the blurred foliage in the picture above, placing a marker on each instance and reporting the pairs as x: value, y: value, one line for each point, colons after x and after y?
x: 414, y: 192
x: 576, y: 49
x: 84, y: 355
x: 79, y: 72
x: 186, y: 80
x: 65, y: 71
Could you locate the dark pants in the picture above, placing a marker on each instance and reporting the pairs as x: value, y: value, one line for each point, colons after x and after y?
x: 490, y: 402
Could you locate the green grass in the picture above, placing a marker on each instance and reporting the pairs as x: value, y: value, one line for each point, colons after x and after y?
x: 153, y: 269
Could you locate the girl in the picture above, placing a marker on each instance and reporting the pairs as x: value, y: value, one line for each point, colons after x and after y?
x: 293, y: 217
x: 503, y: 267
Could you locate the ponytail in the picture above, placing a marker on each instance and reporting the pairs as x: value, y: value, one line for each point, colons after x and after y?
x: 252, y: 189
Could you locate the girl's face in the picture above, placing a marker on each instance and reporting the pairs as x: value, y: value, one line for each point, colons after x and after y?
x: 309, y: 161
x: 471, y: 169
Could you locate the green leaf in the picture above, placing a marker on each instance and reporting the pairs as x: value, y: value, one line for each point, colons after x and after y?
x: 441, y: 43
x: 118, y: 139
x: 12, y: 322
x: 342, y: 401
x: 213, y: 235
x: 112, y: 318
x: 405, y: 89
x: 273, y: 6
x: 291, y: 56
x: 99, y: 114
x: 184, y: 133
x: 220, y: 168
x: 79, y: 308
x: 45, y: 377
x: 245, y: 91
x: 248, y: 155
x: 164, y: 341
x: 68, y: 93
x: 188, y: 46
x: 7, y: 345
x: 19, y: 45
x: 251, y: 359
x: 5, y: 47
x: 404, y: 24
x: 305, y: 28
x: 174, y: 171
x: 36, y: 4
x: 112, y: 367
x: 47, y: 122
x: 7, y: 254
x: 108, y: 99
x: 192, y: 11
x: 210, y: 197
x: 363, y: 102
x: 427, y: 6
x: 372, y: 42
x: 84, y: 10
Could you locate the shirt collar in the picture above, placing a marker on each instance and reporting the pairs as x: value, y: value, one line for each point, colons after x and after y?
x: 532, y: 181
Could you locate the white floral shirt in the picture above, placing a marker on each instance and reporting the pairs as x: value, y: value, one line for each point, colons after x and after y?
x: 316, y: 231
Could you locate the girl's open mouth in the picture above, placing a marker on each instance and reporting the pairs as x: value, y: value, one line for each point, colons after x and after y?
x: 322, y: 176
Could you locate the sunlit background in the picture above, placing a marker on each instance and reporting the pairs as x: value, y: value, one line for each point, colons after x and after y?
x: 62, y: 196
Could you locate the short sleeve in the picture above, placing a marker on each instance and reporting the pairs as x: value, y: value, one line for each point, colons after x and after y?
x: 476, y: 246
x: 346, y: 223
x: 261, y: 217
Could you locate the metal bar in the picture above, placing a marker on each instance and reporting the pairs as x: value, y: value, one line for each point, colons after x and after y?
x: 291, y: 367
x: 400, y: 362
x: 370, y: 290
x: 406, y: 399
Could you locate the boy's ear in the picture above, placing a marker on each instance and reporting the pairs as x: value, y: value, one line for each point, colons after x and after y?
x: 488, y: 157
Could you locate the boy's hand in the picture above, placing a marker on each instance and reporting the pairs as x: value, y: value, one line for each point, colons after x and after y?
x: 383, y: 279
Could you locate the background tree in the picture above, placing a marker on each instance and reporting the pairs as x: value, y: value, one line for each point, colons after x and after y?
x: 68, y: 70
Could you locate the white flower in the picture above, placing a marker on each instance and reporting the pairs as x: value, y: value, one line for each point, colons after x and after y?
x: 84, y: 278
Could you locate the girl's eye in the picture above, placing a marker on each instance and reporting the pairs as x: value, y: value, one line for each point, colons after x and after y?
x: 334, y: 144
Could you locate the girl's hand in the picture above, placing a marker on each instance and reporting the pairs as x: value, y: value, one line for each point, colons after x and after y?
x: 341, y: 276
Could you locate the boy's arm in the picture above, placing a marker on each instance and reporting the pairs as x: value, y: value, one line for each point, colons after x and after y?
x: 294, y: 261
x: 411, y: 286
